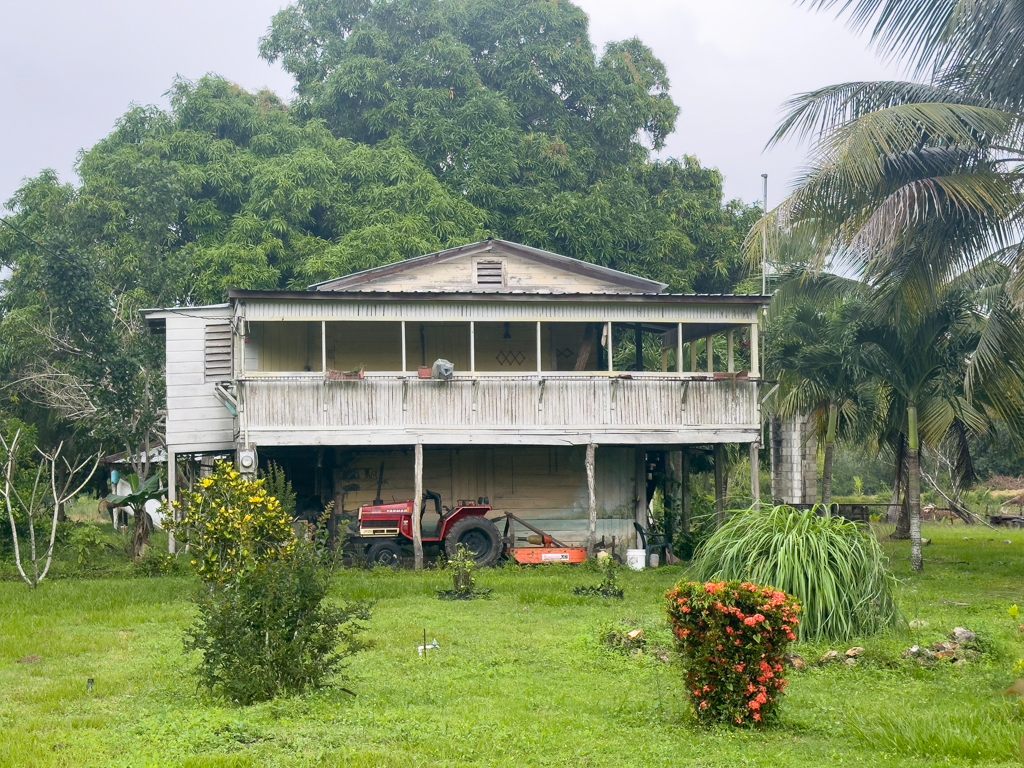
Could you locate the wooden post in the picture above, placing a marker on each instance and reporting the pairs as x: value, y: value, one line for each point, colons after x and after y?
x: 709, y: 344
x: 729, y: 338
x: 638, y: 342
x: 719, y: 485
x: 172, y: 472
x: 405, y: 362
x: 679, y: 347
x: 755, y: 361
x: 610, y: 361
x: 323, y: 346
x: 664, y: 360
x: 417, y: 510
x: 592, y: 500
x: 538, y: 347
x: 755, y: 474
x: 693, y: 356
x: 641, y: 487
x: 684, y: 522
x: 673, y: 502
x: 472, y: 347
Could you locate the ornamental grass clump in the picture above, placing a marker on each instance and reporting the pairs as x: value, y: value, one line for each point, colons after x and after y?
x: 733, y: 637
x: 834, y: 567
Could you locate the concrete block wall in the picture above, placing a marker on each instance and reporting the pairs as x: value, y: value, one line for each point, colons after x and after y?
x: 794, y: 451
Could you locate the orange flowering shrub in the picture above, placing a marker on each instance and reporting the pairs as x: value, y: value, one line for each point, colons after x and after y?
x: 733, y: 637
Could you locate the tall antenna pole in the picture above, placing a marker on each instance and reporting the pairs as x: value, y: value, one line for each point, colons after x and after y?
x: 764, y: 238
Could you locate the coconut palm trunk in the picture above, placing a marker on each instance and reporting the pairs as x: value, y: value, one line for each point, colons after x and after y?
x: 914, y: 489
x: 830, y: 447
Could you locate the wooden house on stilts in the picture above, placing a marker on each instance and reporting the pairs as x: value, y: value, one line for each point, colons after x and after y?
x: 338, y: 383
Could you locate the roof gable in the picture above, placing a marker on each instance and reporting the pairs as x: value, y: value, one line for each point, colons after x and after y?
x: 493, y: 266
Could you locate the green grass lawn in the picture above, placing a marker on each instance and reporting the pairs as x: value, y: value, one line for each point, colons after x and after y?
x: 522, y: 679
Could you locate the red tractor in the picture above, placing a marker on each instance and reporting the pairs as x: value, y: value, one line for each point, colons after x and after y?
x: 382, y: 533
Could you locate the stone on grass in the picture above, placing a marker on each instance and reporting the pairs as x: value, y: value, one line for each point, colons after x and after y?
x: 636, y: 637
x: 850, y: 662
x: 796, y: 661
x: 962, y: 635
x: 829, y: 656
x: 918, y: 624
x: 854, y: 652
x: 912, y: 652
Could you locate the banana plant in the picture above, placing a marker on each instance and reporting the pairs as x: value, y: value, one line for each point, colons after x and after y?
x: 141, y: 492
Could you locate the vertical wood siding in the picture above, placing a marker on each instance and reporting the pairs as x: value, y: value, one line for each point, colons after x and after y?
x: 576, y: 402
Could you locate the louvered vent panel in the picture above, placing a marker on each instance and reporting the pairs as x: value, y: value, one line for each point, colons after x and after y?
x: 490, y: 273
x: 218, y: 352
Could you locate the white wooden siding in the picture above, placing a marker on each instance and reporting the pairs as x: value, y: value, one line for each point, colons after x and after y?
x: 567, y: 411
x: 196, y: 419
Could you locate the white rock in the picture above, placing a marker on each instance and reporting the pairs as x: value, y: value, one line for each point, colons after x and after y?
x: 962, y: 635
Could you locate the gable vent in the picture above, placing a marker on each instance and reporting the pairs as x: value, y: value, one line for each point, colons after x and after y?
x: 218, y: 352
x: 490, y: 274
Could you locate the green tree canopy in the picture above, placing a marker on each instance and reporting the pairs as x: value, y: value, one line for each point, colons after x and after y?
x: 508, y: 106
x: 416, y: 127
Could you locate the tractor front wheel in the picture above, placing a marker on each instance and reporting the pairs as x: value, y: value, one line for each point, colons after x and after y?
x: 478, y: 535
x: 385, y: 553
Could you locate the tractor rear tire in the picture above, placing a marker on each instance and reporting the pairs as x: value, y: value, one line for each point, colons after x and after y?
x: 385, y: 553
x: 477, y: 534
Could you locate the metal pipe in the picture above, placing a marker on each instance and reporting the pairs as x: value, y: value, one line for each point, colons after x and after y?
x: 764, y: 239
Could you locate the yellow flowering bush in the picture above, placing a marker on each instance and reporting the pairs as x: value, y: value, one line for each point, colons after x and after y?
x: 263, y: 627
x: 233, y: 525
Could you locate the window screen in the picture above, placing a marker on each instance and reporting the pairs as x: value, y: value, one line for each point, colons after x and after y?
x: 218, y: 352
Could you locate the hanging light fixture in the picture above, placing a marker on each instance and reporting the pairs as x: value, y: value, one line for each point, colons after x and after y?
x: 508, y: 331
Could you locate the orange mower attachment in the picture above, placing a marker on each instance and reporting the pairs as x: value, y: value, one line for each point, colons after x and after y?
x: 546, y: 549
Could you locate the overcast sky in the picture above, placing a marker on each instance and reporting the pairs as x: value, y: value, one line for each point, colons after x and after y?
x: 70, y: 68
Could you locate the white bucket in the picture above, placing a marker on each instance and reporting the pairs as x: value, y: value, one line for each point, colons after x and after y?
x: 635, y: 558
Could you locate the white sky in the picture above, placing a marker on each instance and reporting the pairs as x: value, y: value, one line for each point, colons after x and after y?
x: 70, y: 68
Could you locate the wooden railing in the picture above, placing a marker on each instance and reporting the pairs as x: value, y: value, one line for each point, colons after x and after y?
x: 573, y: 403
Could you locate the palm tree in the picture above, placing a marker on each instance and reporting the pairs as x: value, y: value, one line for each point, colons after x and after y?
x: 912, y: 184
x: 814, y: 358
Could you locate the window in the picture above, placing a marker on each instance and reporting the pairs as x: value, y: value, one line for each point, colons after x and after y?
x: 217, y: 360
x: 490, y: 274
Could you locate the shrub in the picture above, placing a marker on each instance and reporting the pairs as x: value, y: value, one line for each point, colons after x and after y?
x: 834, y: 567
x: 608, y: 587
x: 732, y: 637
x: 263, y: 628
x: 461, y: 566
x: 271, y: 633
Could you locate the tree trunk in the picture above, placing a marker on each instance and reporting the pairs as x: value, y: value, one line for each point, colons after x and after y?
x: 140, y: 534
x: 830, y: 446
x: 914, y: 508
x: 903, y: 520
x: 894, y: 511
x: 687, y: 497
x: 720, y: 485
x: 914, y: 489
